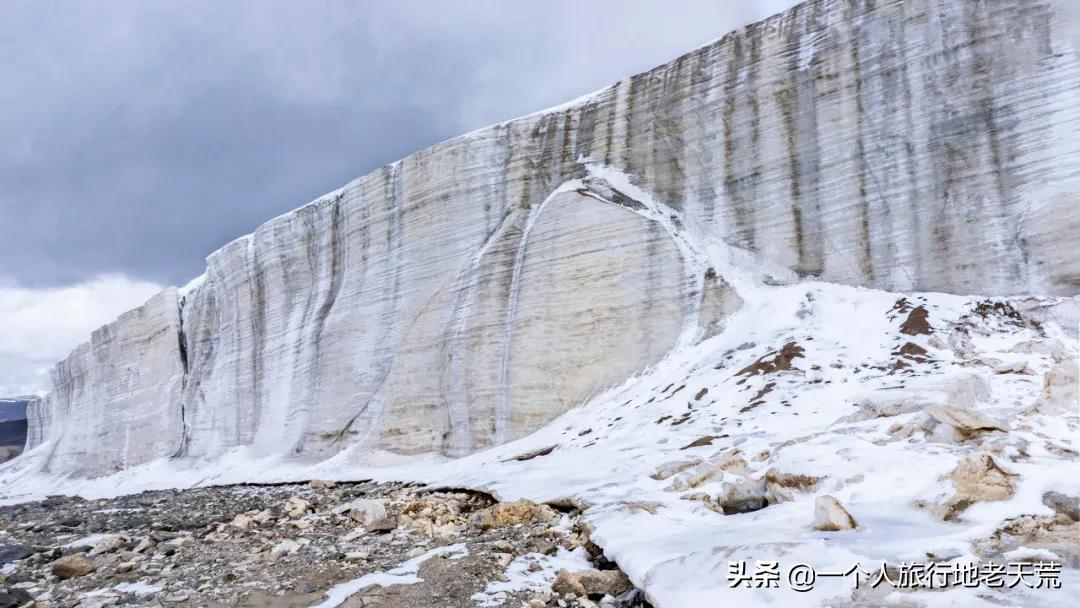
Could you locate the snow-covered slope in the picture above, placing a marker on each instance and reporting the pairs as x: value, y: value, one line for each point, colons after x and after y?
x: 939, y: 422
x: 472, y: 292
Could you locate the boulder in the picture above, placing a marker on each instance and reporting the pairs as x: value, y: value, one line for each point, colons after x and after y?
x: 297, y: 507
x: 72, y: 566
x: 977, y: 477
x: 367, y: 512
x: 242, y: 522
x: 1069, y: 506
x: 13, y: 597
x: 604, y: 582
x: 109, y: 543
x: 11, y: 553
x: 381, y: 524
x: 566, y: 583
x: 1061, y: 388
x: 321, y: 484
x: 591, y: 583
x: 512, y: 513
x: 965, y: 420
x: 831, y: 516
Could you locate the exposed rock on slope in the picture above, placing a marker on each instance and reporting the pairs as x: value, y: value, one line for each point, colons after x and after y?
x: 472, y: 292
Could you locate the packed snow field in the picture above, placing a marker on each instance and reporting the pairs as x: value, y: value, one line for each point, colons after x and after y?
x: 943, y: 427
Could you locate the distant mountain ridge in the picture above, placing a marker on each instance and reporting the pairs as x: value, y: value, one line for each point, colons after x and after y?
x: 13, y: 426
x: 14, y: 408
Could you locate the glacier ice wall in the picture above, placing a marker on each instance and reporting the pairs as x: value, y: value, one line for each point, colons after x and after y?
x: 471, y: 292
x: 115, y: 400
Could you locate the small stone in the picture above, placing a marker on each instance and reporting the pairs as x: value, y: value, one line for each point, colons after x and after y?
x: 72, y: 566
x: 321, y: 484
x: 831, y: 516
x: 357, y: 556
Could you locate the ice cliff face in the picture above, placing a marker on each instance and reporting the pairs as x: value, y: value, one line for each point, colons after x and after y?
x: 116, y: 400
x: 474, y: 291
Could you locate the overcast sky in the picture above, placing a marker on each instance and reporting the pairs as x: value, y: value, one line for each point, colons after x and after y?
x: 140, y: 136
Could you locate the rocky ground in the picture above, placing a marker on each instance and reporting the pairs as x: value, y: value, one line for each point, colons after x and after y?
x: 289, y: 546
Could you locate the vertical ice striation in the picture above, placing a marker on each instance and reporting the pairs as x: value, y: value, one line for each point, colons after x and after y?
x: 116, y: 399
x: 473, y: 291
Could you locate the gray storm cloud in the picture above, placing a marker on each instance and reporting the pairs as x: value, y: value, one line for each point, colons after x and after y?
x: 140, y: 136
